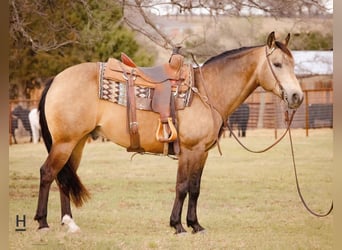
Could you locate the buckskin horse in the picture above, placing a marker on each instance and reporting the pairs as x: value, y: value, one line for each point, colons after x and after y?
x: 222, y: 83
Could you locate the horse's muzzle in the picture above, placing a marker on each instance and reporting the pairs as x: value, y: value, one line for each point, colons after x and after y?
x: 294, y: 99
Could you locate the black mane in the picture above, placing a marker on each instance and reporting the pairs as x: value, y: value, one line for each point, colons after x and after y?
x: 233, y: 52
x: 229, y: 53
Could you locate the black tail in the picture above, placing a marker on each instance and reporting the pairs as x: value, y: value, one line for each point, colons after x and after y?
x: 67, y: 178
x: 42, y: 119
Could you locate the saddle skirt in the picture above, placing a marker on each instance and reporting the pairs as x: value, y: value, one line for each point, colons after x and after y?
x: 113, y: 85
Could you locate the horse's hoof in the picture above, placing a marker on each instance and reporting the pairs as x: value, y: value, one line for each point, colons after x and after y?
x: 73, y: 228
x: 198, y: 230
x: 203, y: 231
x: 182, y: 234
x: 43, y: 229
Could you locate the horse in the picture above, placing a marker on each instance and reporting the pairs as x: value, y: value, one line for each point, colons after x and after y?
x: 20, y: 113
x: 222, y: 83
x: 34, y: 123
x: 240, y: 117
x: 14, y: 126
x: 322, y: 112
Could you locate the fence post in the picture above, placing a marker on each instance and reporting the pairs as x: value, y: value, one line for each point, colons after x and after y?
x: 260, y: 123
x: 10, y: 123
x: 306, y: 113
x: 276, y: 109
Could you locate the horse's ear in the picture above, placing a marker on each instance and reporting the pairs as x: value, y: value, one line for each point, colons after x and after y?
x: 287, y: 39
x: 271, y: 39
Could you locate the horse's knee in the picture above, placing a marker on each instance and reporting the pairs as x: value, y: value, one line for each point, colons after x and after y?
x: 46, y: 175
x: 194, y: 189
x: 182, y: 189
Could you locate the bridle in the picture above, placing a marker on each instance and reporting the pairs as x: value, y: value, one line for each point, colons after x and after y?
x: 277, y: 82
x: 287, y: 118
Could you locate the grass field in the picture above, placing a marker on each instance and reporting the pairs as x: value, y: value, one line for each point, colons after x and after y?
x: 247, y: 201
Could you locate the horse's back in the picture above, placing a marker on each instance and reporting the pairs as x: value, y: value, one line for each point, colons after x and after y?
x: 77, y: 77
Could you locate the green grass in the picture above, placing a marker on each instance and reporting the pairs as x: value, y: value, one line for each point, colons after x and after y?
x: 247, y: 201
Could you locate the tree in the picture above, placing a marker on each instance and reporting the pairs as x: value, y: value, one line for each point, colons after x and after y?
x: 140, y: 14
x: 48, y: 36
x: 312, y: 41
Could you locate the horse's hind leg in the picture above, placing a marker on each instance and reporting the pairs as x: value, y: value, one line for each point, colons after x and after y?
x: 14, y: 139
x: 74, y: 161
x: 58, y: 156
x: 31, y: 136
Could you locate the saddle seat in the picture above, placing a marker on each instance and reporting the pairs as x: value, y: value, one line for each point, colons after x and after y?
x: 174, y: 71
x: 160, y: 73
x: 163, y: 79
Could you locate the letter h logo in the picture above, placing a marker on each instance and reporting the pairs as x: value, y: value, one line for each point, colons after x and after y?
x: 20, y: 223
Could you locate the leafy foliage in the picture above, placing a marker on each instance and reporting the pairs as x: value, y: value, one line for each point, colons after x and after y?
x: 312, y: 41
x: 49, y: 36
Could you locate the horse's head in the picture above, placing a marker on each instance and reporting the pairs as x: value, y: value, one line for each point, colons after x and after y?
x: 277, y: 72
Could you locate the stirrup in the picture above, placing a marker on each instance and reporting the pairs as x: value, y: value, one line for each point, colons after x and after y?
x: 166, y: 132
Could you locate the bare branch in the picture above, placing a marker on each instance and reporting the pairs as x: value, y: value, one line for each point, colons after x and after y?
x: 154, y: 27
x: 155, y: 40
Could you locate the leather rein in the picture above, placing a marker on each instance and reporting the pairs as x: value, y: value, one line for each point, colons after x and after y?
x: 288, y: 120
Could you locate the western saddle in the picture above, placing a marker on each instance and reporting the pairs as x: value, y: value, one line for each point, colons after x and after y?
x: 165, y: 80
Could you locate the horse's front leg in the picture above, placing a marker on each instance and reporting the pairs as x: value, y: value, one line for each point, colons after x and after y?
x: 190, y: 167
x: 195, y: 174
x: 182, y: 187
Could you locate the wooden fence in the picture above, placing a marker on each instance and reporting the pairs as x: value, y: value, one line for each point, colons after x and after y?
x: 265, y: 111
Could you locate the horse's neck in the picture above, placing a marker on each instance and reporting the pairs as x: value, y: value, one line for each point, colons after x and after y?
x: 229, y: 81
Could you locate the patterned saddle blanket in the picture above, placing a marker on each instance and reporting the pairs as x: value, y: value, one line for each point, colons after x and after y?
x: 115, y: 91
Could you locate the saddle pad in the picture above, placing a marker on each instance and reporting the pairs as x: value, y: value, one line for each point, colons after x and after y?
x: 115, y: 92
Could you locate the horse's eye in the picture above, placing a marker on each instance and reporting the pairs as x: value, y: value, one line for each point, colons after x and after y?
x: 278, y: 65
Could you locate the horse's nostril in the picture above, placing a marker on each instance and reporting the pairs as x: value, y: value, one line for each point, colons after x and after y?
x: 297, y: 99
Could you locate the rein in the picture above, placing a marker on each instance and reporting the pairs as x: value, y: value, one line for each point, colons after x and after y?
x: 206, y: 100
x: 289, y: 121
x: 298, y: 187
